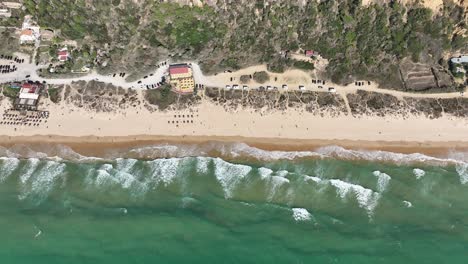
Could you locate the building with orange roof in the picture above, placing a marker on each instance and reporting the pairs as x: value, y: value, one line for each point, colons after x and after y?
x: 181, y: 78
x: 30, y: 33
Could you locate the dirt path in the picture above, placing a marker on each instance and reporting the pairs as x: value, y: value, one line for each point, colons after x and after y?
x: 292, y: 78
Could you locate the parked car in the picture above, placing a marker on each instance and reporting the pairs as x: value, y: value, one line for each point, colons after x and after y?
x: 331, y: 89
x: 320, y: 87
x: 285, y: 87
x: 228, y: 87
x: 301, y: 87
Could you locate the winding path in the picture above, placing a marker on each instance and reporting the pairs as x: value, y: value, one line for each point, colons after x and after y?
x: 292, y: 78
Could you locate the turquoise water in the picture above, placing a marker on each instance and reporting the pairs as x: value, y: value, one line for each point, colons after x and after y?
x: 182, y: 204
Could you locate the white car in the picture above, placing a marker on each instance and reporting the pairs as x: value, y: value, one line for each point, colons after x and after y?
x: 331, y: 89
x: 285, y: 87
x: 228, y: 87
x: 245, y: 87
x: 269, y: 88
x: 301, y: 87
x: 235, y: 87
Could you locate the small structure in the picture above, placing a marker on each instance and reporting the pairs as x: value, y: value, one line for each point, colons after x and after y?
x: 460, y: 59
x: 63, y: 55
x: 310, y: 53
x: 30, y: 34
x: 181, y: 78
x: 28, y: 96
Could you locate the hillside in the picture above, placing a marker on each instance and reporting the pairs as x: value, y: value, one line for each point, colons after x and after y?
x: 359, y: 40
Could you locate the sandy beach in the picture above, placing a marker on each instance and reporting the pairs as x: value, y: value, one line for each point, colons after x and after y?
x: 294, y: 129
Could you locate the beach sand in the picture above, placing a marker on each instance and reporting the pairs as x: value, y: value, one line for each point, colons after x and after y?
x: 294, y: 129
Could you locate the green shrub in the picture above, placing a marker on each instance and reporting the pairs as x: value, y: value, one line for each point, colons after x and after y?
x: 261, y: 77
x: 163, y: 97
x: 54, y: 94
x: 304, y: 65
x: 10, y: 92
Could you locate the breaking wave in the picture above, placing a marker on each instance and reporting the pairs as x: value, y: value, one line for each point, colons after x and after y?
x: 383, y: 180
x: 38, y: 178
x: 39, y: 172
x: 418, y: 173
x: 301, y: 214
x: 366, y: 198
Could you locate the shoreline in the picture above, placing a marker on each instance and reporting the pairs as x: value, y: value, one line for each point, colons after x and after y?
x: 100, y: 145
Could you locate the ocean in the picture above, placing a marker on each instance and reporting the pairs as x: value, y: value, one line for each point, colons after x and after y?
x: 231, y: 203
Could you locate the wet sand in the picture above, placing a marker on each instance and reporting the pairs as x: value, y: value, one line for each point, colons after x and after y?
x: 100, y: 146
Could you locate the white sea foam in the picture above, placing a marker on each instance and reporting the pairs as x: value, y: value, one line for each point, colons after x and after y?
x: 282, y: 173
x: 126, y: 180
x: 418, y: 173
x: 383, y: 180
x: 407, y: 204
x: 103, y: 176
x: 301, y: 214
x: 264, y: 172
x: 107, y: 176
x: 398, y: 158
x: 366, y: 198
x: 462, y: 170
x: 202, y: 165
x: 242, y: 149
x: 274, y: 184
x: 229, y: 175
x: 164, y: 171
x: 312, y: 178
x: 46, y: 177
x: 169, y: 151
x: 42, y: 181
x: 30, y: 167
x: 125, y: 165
x: 8, y: 165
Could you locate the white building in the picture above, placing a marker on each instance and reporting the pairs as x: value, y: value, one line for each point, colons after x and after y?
x: 30, y: 91
x: 30, y: 34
